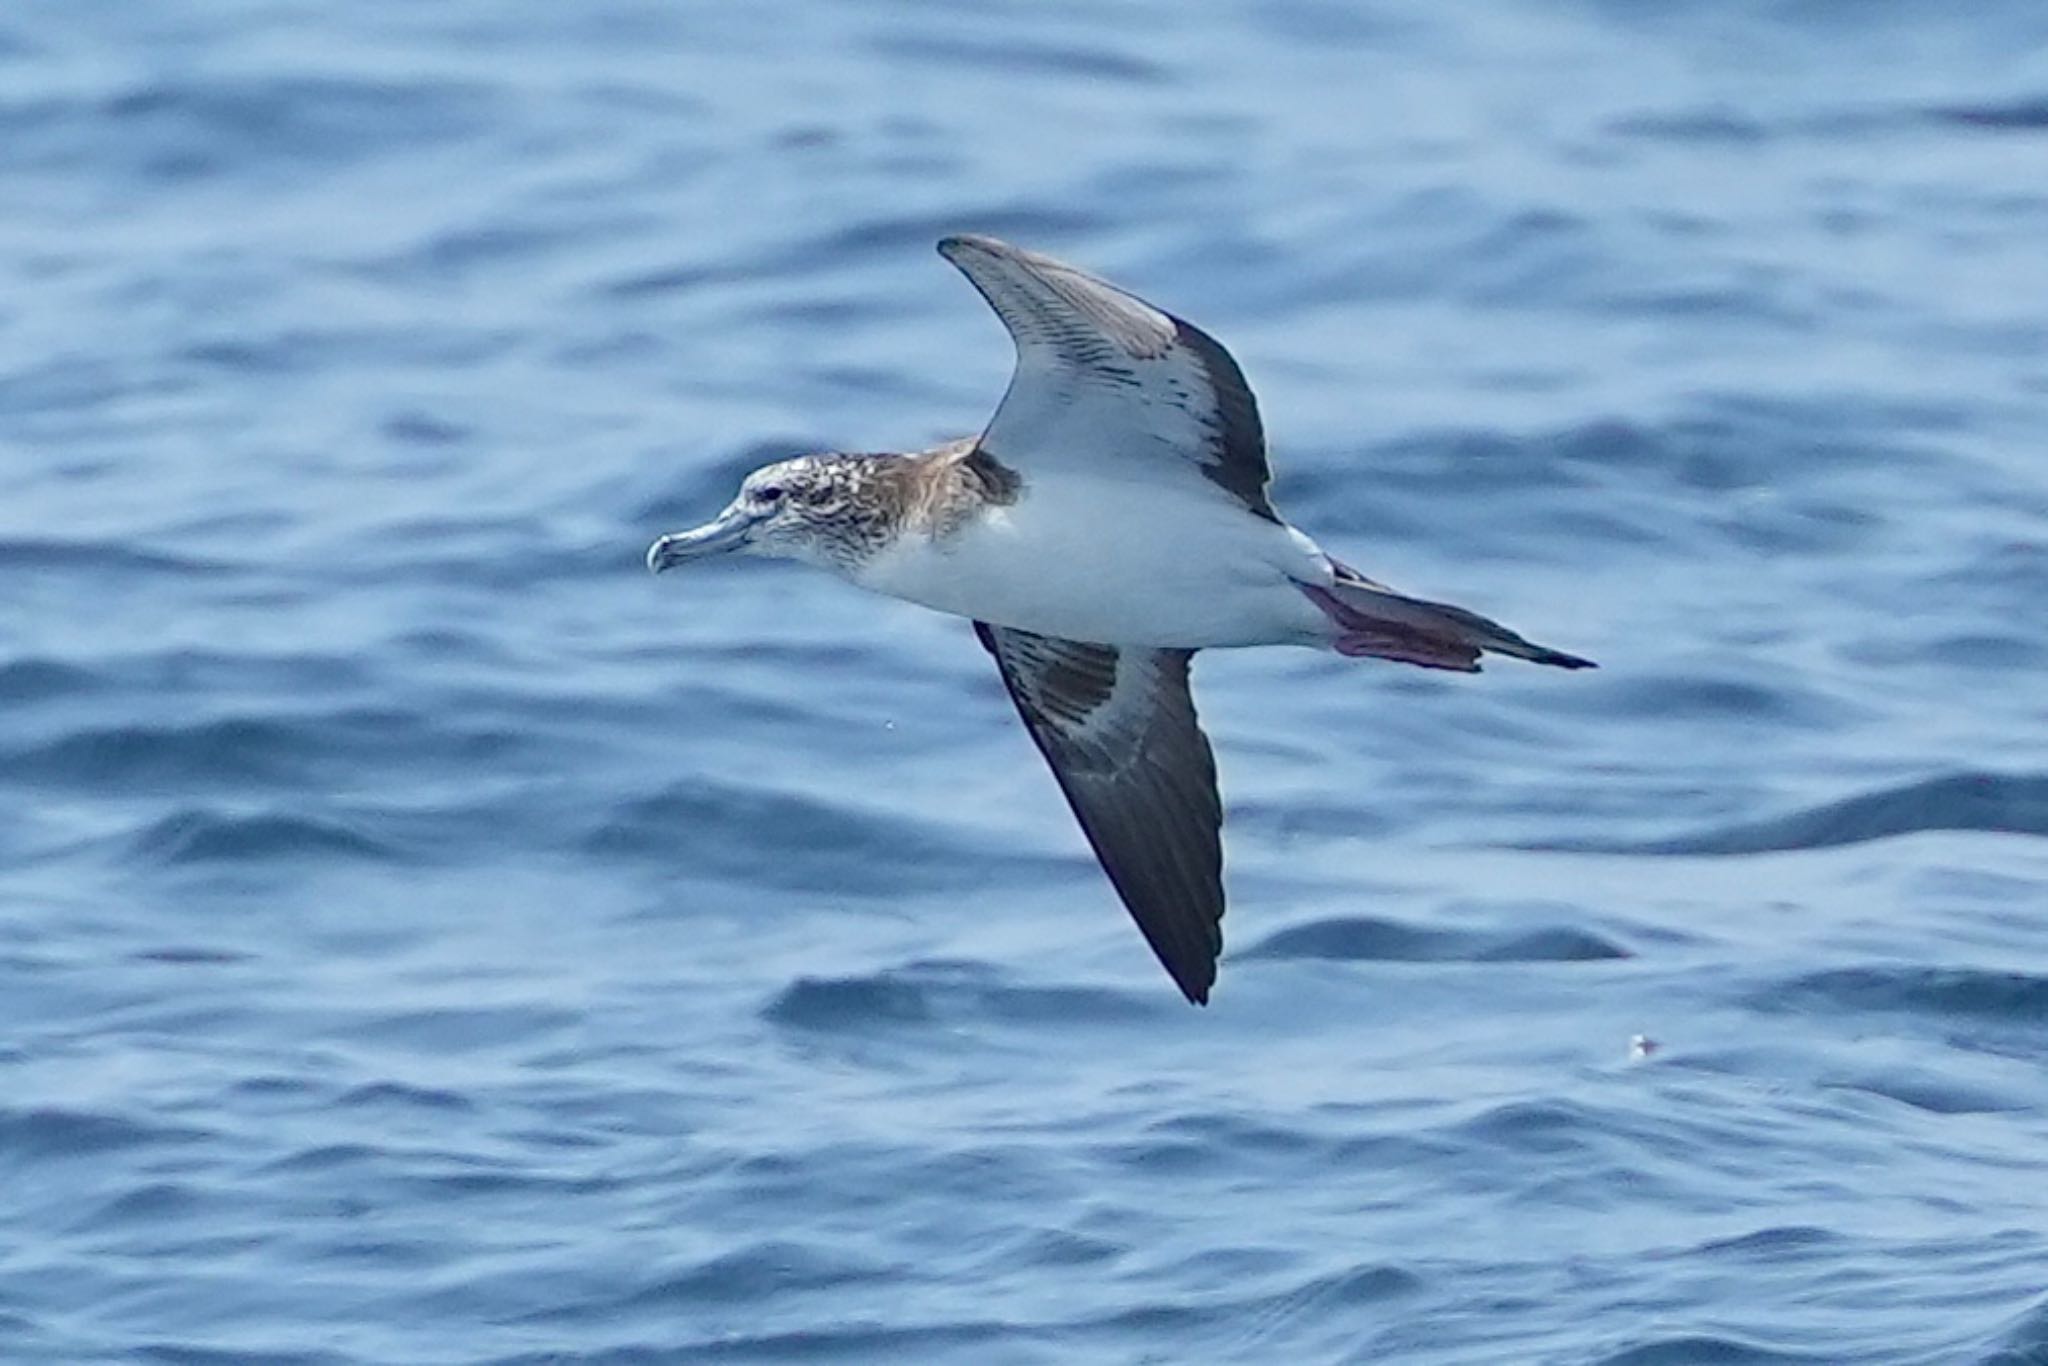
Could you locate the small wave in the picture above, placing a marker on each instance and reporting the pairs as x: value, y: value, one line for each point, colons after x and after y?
x: 1364, y: 1285
x: 829, y: 1002
x: 1716, y: 124
x: 2011, y: 116
x: 846, y: 1340
x: 190, y: 955
x: 2012, y: 804
x: 1240, y: 1134
x: 270, y: 1087
x: 52, y: 1132
x: 328, y: 1157
x: 179, y: 130
x: 751, y: 1274
x: 453, y: 253
x: 1751, y: 703
x: 793, y: 841
x: 1070, y: 62
x: 1697, y: 1349
x: 1539, y: 1126
x: 33, y: 680
x: 233, y: 749
x: 279, y: 747
x: 747, y: 1275
x: 1972, y: 993
x: 1368, y: 939
x: 25, y: 553
x: 1937, y: 1095
x: 1259, y: 1328
x: 454, y: 1029
x: 151, y: 1204
x: 397, y: 1095
x: 173, y: 1353
x: 200, y: 837
x: 415, y: 427
x: 674, y: 279
x: 475, y: 1180
x: 922, y: 992
x: 1770, y: 1244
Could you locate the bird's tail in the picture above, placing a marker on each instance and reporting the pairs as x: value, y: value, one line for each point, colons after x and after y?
x: 1372, y: 619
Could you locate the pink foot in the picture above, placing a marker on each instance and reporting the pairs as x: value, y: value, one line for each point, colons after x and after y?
x: 1363, y: 636
x: 1430, y: 654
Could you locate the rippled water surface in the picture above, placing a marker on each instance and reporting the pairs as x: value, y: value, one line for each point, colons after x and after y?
x: 425, y: 938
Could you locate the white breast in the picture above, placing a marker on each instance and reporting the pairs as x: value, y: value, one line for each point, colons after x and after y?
x: 1115, y: 563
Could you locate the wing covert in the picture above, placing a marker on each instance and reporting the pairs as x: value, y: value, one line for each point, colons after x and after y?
x: 1104, y: 377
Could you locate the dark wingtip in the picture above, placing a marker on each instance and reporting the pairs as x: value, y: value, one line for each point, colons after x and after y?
x: 1559, y: 659
x: 953, y: 243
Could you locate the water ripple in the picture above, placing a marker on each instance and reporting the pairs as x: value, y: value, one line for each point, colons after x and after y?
x: 412, y: 915
x: 924, y: 993
x: 1939, y: 993
x: 197, y: 836
x: 1367, y: 939
x: 50, y: 1133
x: 1989, y: 802
x: 1692, y: 1349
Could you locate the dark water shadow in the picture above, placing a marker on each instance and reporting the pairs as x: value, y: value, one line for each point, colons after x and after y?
x: 2015, y: 804
x: 1371, y: 939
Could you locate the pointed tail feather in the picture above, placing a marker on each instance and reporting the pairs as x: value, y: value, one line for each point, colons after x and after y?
x: 1373, y: 619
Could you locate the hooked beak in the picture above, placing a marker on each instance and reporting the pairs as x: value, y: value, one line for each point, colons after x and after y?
x: 731, y: 531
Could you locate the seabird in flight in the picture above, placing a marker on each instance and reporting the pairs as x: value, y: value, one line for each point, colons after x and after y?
x: 1112, y: 520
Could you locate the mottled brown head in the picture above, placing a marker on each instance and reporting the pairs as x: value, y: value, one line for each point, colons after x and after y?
x: 828, y: 510
x: 835, y: 511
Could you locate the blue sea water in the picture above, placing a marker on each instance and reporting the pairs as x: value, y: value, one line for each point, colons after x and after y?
x: 425, y: 938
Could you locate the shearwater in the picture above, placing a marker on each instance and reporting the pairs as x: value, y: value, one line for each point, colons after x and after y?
x: 1112, y: 520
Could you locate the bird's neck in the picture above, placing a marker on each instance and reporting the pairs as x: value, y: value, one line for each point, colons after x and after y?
x: 937, y: 491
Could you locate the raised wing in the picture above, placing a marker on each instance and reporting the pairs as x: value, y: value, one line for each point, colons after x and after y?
x: 1104, y: 378
x: 1119, y: 730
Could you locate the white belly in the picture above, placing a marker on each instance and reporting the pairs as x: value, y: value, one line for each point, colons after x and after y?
x: 1117, y: 564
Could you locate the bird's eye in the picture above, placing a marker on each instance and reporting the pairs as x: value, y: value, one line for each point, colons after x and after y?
x: 771, y: 493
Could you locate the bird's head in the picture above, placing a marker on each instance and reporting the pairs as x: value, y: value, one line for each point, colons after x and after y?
x: 800, y: 509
